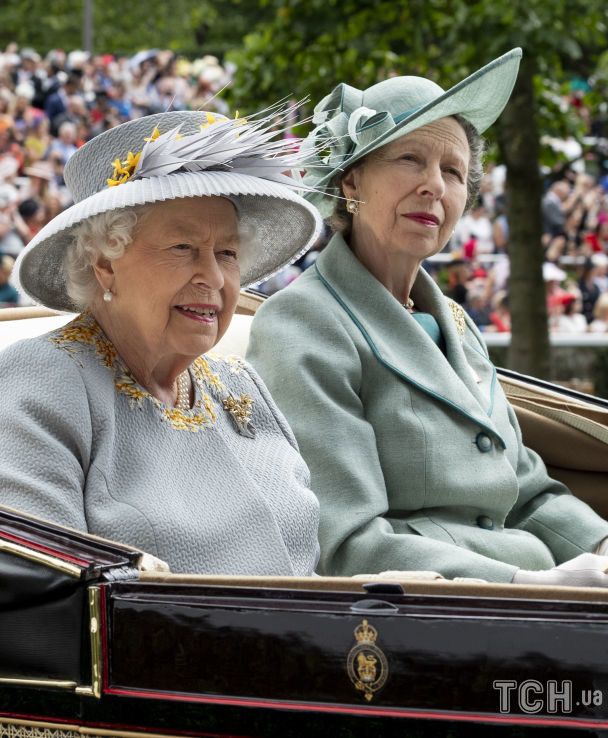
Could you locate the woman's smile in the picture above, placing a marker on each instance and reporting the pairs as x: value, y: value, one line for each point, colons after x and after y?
x: 199, y: 313
x: 177, y: 285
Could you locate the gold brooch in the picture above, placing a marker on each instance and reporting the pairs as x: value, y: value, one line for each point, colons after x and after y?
x: 240, y: 411
x: 458, y: 315
x: 366, y: 664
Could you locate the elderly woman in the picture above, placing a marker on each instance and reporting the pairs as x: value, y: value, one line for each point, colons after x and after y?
x: 415, y: 454
x: 121, y: 423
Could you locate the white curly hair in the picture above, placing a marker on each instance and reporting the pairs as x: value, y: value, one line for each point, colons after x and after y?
x: 107, y: 234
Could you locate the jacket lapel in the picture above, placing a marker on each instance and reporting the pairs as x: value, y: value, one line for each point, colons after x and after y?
x: 397, y: 340
x: 465, y: 358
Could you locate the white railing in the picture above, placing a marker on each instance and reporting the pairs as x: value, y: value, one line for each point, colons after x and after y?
x: 446, y: 257
x: 574, y: 340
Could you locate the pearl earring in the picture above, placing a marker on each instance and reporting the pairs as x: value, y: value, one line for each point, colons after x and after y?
x: 352, y: 206
x: 107, y: 296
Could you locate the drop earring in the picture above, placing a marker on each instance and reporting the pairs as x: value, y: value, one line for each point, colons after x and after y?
x: 107, y: 296
x: 352, y: 206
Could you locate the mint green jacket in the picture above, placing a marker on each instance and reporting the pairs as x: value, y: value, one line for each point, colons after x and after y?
x: 416, y: 456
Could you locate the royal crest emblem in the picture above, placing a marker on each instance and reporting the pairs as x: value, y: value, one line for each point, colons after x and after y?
x: 366, y: 664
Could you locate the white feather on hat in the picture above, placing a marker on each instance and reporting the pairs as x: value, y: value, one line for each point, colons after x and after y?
x: 175, y: 155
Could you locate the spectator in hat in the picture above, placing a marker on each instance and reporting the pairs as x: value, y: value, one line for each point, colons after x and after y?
x: 566, y: 316
x: 553, y: 277
x: 600, y: 261
x: 24, y: 114
x: 39, y: 176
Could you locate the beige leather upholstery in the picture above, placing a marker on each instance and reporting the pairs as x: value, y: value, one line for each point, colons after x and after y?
x: 410, y: 586
x: 27, y: 322
x: 570, y: 435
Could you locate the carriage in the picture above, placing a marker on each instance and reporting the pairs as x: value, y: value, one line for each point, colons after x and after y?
x: 92, y: 643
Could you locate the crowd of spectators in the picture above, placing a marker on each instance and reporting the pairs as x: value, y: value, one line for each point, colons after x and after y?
x: 50, y: 106
x: 476, y: 267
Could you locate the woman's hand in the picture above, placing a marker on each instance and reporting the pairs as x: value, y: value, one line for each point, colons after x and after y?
x: 586, y: 570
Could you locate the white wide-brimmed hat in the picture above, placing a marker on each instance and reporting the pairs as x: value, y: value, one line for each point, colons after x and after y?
x: 177, y: 155
x: 351, y: 123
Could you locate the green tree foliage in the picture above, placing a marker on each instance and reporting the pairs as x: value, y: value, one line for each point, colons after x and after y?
x: 180, y: 25
x: 188, y: 27
x: 308, y: 46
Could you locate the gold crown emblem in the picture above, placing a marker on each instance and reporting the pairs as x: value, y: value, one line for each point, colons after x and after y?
x: 365, y: 633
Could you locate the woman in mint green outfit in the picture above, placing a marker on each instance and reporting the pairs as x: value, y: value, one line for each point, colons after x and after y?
x: 415, y: 454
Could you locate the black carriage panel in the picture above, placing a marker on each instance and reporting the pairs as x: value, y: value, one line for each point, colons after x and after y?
x: 41, y: 621
x: 403, y: 654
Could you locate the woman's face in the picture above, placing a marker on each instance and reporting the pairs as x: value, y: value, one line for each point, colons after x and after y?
x: 178, y: 282
x: 413, y: 190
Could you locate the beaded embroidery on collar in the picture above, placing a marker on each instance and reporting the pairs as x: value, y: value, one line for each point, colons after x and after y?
x: 85, y: 331
x: 458, y: 315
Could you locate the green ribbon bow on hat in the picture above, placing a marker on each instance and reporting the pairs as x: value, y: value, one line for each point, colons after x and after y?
x: 351, y: 123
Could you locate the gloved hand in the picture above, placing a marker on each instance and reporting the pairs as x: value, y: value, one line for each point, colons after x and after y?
x: 586, y: 570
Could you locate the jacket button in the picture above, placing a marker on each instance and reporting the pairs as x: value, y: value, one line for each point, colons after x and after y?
x: 483, y: 521
x: 483, y: 442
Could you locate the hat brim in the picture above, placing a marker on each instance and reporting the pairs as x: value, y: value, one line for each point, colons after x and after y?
x: 280, y: 227
x: 479, y: 98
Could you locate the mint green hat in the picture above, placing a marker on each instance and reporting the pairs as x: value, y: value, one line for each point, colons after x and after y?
x: 351, y: 123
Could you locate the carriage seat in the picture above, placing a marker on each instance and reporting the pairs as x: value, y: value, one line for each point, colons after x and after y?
x: 27, y: 322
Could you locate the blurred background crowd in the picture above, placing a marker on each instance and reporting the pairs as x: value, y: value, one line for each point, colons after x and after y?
x: 575, y: 244
x: 50, y: 105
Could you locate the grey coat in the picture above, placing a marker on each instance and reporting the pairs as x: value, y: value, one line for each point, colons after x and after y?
x: 416, y: 456
x: 83, y: 445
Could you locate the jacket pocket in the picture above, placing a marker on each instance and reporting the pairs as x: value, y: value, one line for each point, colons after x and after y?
x: 425, y: 526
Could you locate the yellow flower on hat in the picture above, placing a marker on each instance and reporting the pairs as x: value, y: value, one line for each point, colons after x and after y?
x: 210, y: 120
x: 123, y: 169
x: 154, y: 135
